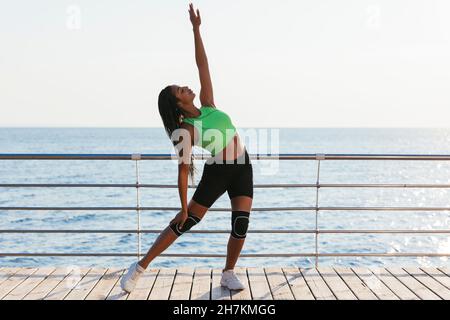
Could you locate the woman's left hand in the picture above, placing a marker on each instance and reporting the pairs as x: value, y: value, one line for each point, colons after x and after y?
x: 195, y: 19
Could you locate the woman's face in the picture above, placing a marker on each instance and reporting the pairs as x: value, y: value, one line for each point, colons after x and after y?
x: 183, y: 94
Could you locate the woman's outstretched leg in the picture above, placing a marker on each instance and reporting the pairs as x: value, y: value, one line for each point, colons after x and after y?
x: 131, y: 277
x: 164, y: 240
x: 168, y: 236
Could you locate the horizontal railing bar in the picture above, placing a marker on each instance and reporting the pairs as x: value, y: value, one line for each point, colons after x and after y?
x: 149, y: 231
x: 378, y: 231
x: 144, y: 208
x: 184, y: 255
x: 229, y: 209
x: 382, y: 185
x: 280, y: 156
x: 393, y: 254
x: 384, y: 208
x: 269, y: 185
x: 250, y: 255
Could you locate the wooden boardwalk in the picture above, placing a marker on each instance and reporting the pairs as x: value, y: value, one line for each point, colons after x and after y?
x: 273, y: 283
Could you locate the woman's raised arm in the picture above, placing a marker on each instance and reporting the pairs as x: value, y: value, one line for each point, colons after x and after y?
x: 206, y: 91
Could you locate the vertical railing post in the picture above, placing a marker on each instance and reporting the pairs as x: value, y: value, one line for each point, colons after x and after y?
x: 319, y: 156
x: 137, y: 157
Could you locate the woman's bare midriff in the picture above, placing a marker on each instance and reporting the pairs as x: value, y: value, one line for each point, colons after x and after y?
x: 233, y: 150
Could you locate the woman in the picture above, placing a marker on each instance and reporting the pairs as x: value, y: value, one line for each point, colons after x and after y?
x: 229, y: 168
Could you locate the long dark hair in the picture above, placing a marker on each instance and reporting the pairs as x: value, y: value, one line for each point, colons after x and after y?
x: 171, y: 116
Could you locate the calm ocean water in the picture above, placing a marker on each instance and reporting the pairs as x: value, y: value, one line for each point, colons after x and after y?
x: 154, y: 140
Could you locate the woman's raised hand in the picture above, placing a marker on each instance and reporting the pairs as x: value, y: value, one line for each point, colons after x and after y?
x: 195, y: 19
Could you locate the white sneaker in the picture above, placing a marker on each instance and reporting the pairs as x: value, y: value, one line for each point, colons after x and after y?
x: 231, y: 281
x: 129, y: 280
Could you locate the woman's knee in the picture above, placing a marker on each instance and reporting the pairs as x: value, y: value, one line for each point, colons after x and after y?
x: 190, y: 222
x: 239, y: 224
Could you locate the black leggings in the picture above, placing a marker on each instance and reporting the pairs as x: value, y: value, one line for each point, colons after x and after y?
x: 234, y: 176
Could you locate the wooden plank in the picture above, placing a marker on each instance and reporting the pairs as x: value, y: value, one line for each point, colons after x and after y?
x: 217, y: 291
x: 181, y: 288
x: 278, y: 284
x: 12, y: 282
x: 259, y: 286
x: 65, y: 286
x: 445, y: 270
x: 116, y: 292
x: 105, y: 284
x: 48, y: 284
x: 144, y: 285
x: 201, y: 285
x: 85, y: 286
x: 438, y: 275
x: 272, y: 283
x: 6, y: 273
x: 359, y: 288
x: 317, y: 285
x: 402, y: 291
x: 29, y: 284
x: 298, y: 285
x: 429, y: 282
x: 245, y: 294
x: 374, y: 284
x: 418, y: 288
x: 336, y: 284
x: 163, y: 284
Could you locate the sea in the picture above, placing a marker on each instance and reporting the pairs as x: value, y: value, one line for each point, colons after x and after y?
x: 426, y: 141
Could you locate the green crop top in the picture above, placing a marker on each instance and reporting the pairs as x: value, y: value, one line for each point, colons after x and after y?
x: 214, y: 127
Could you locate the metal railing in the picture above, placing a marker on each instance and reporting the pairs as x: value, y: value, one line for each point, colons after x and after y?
x: 316, y: 231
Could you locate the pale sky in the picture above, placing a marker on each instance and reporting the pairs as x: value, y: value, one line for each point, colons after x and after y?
x: 287, y: 63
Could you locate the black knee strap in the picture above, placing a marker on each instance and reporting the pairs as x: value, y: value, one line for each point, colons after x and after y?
x: 239, y: 224
x: 191, y: 221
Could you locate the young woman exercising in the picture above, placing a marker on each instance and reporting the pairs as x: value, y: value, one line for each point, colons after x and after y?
x: 228, y: 169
